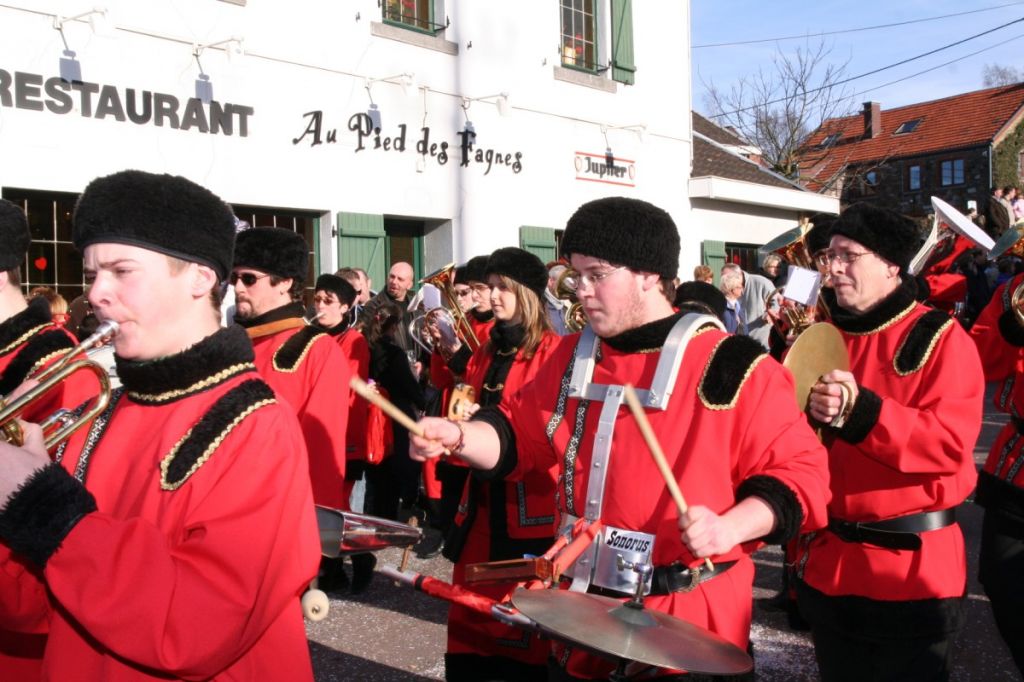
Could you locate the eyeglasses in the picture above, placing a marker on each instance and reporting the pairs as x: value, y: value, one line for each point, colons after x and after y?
x: 463, y: 292
x: 829, y: 257
x: 248, y: 278
x: 480, y: 287
x: 576, y: 281
x: 326, y: 300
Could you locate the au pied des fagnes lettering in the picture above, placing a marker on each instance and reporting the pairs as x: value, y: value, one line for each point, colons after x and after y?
x: 397, y: 140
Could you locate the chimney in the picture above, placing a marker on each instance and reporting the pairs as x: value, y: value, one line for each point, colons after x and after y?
x: 872, y: 120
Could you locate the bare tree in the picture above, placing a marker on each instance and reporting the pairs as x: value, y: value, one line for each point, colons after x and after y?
x: 777, y: 108
x: 995, y: 75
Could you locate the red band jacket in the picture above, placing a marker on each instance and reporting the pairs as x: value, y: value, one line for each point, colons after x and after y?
x: 907, y: 448
x: 999, y: 337
x: 730, y: 430
x: 30, y: 342
x: 308, y: 371
x: 185, y: 550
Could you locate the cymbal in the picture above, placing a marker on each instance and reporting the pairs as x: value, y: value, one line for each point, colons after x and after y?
x: 610, y: 628
x: 818, y: 349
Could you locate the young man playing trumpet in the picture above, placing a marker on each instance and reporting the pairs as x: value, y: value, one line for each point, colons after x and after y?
x: 173, y: 537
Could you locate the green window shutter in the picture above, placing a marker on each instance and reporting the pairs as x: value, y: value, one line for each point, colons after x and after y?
x: 712, y: 254
x: 540, y: 241
x: 623, y: 66
x: 362, y: 244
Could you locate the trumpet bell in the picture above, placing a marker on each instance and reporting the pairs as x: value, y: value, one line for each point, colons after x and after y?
x: 344, y: 532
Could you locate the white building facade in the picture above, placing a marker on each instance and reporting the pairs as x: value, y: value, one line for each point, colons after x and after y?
x: 268, y: 104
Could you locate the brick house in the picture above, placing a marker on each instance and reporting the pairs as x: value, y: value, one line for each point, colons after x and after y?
x: 956, y: 148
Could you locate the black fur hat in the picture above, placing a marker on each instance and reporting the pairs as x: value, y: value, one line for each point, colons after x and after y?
x: 520, y: 265
x: 694, y: 297
x: 892, y: 236
x: 624, y: 231
x: 820, y: 234
x: 276, y: 250
x: 164, y: 213
x: 14, y: 236
x: 475, y: 269
x: 338, y: 286
x: 460, y: 275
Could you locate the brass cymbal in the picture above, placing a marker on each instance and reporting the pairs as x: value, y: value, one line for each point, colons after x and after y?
x: 612, y: 629
x: 818, y: 349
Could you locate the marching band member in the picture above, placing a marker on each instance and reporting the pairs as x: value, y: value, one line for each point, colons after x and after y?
x: 499, y: 519
x: 300, y: 362
x: 29, y: 342
x: 748, y: 463
x: 883, y: 585
x: 173, y: 539
x: 999, y: 336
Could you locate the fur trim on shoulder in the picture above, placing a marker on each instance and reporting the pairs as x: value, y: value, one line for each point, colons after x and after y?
x: 42, y: 512
x: 730, y: 365
x: 917, y: 346
x: 203, y: 439
x: 292, y: 352
x: 39, y: 348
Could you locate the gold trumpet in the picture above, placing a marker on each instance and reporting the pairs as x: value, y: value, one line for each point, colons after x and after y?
x: 574, y: 317
x: 60, y: 425
x: 443, y: 279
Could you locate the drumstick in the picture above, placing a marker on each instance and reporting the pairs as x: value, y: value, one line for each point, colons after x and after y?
x: 659, y: 457
x: 386, y: 406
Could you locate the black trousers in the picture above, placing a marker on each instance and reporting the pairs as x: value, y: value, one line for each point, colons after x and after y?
x: 866, y: 640
x: 1001, y: 572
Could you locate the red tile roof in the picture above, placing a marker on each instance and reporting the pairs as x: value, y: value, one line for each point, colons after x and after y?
x: 966, y: 120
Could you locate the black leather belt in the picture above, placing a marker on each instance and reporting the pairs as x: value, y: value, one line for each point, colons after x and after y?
x: 899, y: 533
x: 673, y: 578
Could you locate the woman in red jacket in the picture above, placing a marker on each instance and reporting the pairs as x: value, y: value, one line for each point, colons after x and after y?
x: 497, y: 519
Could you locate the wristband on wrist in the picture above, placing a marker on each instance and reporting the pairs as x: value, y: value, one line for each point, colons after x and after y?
x: 461, y: 442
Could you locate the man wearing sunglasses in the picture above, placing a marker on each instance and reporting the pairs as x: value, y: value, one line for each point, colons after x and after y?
x: 883, y: 585
x: 301, y: 363
x: 744, y: 456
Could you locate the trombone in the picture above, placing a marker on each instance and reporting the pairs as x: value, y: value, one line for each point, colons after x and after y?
x: 60, y: 425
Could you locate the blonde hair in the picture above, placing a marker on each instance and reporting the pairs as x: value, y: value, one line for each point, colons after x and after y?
x: 58, y: 304
x: 530, y: 313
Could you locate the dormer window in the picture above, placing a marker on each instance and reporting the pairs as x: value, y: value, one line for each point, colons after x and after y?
x: 908, y: 127
x: 830, y: 140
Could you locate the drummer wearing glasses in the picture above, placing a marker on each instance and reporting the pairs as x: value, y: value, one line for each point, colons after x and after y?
x: 745, y: 459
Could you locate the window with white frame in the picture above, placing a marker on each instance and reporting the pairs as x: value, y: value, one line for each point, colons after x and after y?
x: 579, y: 34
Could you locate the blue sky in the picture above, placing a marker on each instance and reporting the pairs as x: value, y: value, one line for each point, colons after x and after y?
x: 716, y: 21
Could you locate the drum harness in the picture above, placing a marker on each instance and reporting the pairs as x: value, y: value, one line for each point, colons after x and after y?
x: 619, y: 558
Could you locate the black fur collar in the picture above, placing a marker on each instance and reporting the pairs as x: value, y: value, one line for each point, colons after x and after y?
x: 226, y: 351
x: 482, y: 317
x: 336, y: 330
x: 16, y: 326
x: 645, y: 337
x: 287, y: 311
x: 506, y: 336
x: 893, y: 307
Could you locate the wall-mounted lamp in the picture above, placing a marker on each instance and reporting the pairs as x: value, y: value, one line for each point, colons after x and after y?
x: 98, y: 18
x: 406, y: 81
x: 609, y: 157
x: 233, y: 47
x: 501, y: 100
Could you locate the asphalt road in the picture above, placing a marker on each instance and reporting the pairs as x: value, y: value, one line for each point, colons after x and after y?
x: 391, y: 632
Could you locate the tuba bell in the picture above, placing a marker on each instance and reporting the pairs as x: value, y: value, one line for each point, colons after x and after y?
x: 941, y: 245
x: 60, y: 425
x: 794, y: 317
x: 574, y: 317
x: 448, y: 316
x: 1012, y: 243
